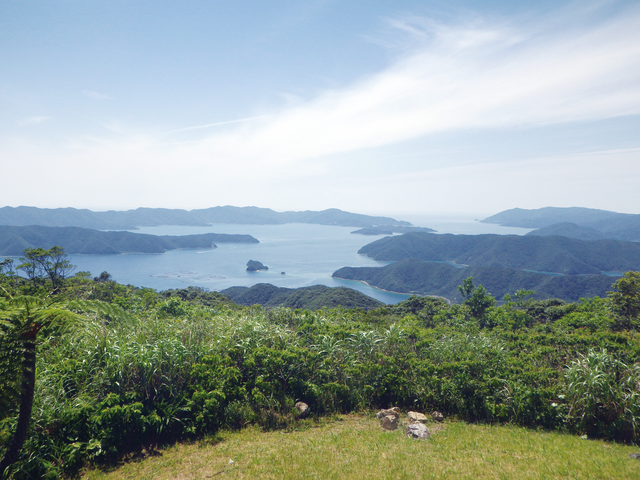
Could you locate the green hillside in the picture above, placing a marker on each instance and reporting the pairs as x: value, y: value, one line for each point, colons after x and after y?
x: 427, y: 278
x: 312, y: 298
x: 542, y: 254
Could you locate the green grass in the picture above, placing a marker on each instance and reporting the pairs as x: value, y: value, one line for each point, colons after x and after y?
x: 356, y: 447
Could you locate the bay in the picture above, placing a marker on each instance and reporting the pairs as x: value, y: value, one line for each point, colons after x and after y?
x: 298, y: 255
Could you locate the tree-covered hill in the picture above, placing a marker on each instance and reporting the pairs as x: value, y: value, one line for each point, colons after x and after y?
x: 312, y: 298
x: 541, y: 254
x: 441, y: 279
x: 14, y: 240
x: 131, y: 219
x: 570, y: 230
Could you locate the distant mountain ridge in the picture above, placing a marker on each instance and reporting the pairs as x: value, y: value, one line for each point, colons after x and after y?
x: 132, y: 219
x: 14, y: 240
x: 561, y: 255
x: 613, y: 225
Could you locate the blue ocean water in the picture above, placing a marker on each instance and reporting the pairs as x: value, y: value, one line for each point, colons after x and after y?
x: 297, y: 255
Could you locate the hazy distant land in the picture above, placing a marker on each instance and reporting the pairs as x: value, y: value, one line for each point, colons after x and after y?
x: 603, y: 223
x: 14, y: 240
x: 132, y: 219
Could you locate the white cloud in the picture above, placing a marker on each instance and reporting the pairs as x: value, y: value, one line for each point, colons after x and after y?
x: 464, y: 77
x: 32, y: 121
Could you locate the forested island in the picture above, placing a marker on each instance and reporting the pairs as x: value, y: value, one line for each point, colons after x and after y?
x: 14, y: 240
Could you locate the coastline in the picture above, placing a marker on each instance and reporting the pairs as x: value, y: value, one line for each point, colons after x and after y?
x: 391, y: 291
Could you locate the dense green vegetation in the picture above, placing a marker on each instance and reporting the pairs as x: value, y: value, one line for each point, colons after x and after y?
x: 441, y: 279
x: 136, y: 368
x: 13, y: 240
x: 312, y: 298
x: 540, y: 254
x: 617, y: 226
x: 130, y: 219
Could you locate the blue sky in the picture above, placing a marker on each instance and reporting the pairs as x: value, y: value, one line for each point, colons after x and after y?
x: 369, y: 106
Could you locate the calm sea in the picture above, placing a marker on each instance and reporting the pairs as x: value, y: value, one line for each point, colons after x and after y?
x: 298, y: 255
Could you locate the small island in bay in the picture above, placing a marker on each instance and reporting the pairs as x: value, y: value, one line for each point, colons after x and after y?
x: 254, y: 266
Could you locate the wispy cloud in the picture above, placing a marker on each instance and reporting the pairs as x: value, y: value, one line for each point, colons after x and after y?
x: 217, y: 124
x: 466, y: 76
x: 32, y: 121
x: 96, y: 95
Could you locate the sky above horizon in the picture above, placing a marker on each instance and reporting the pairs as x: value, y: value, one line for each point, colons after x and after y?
x: 368, y: 106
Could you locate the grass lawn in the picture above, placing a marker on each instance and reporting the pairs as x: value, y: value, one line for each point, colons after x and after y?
x: 353, y: 446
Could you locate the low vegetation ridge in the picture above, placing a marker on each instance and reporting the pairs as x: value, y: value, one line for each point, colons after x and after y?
x: 561, y: 255
x: 571, y: 230
x: 131, y: 219
x: 111, y: 369
x: 14, y: 240
x: 417, y: 277
x: 312, y: 298
x: 613, y: 225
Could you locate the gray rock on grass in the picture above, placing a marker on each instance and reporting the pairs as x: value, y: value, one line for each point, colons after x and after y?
x: 418, y: 431
x: 389, y: 422
x: 437, y: 416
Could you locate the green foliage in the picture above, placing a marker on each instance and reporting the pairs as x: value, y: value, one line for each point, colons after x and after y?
x: 603, y: 396
x: 149, y: 368
x: 39, y: 264
x: 625, y: 298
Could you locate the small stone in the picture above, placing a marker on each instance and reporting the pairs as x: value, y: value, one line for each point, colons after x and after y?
x: 393, y: 411
x: 416, y: 417
x: 418, y: 431
x: 303, y: 409
x: 389, y: 422
x: 635, y: 455
x: 437, y: 416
